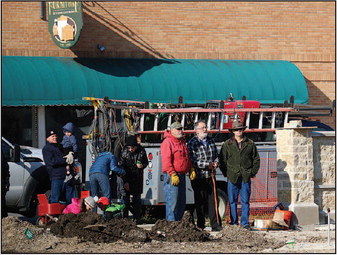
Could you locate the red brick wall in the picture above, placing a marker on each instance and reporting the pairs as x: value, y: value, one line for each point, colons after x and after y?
x: 301, y: 32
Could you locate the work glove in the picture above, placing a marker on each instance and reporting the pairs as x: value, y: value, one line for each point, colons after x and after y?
x: 68, y: 178
x: 69, y: 158
x: 175, y: 179
x: 193, y: 174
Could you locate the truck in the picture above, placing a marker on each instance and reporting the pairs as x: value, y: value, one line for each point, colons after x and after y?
x: 115, y: 119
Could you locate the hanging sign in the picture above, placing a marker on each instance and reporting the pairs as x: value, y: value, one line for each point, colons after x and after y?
x: 65, y: 22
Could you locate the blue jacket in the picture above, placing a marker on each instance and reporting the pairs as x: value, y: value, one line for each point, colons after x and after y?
x: 55, y: 163
x: 69, y: 141
x: 104, y: 163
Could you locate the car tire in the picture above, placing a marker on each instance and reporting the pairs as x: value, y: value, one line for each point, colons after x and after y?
x: 222, y: 202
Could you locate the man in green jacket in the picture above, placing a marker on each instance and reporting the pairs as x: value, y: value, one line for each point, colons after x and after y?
x: 239, y: 161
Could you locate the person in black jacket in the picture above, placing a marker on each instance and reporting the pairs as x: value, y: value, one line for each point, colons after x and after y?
x: 56, y: 166
x: 133, y: 160
x: 4, y: 184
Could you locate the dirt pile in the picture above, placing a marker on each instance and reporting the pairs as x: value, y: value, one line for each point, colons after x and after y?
x: 178, y: 231
x: 91, y: 226
x: 123, y: 236
x: 14, y: 239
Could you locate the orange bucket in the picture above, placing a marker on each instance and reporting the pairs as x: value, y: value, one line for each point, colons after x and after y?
x: 287, y: 215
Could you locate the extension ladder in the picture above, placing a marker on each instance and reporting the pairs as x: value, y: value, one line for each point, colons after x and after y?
x: 219, y: 117
x: 217, y: 120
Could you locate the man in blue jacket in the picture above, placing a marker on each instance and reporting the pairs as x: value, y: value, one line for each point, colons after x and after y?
x: 56, y: 167
x: 99, y: 174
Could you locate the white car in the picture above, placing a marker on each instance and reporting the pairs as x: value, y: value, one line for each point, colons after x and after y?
x: 28, y: 177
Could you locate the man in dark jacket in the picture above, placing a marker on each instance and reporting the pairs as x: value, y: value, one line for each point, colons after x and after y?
x: 4, y: 184
x: 134, y: 161
x: 239, y: 162
x: 56, y: 167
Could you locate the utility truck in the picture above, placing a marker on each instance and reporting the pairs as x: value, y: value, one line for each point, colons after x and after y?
x: 115, y: 119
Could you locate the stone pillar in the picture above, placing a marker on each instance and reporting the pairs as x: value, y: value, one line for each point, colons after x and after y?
x: 296, y: 173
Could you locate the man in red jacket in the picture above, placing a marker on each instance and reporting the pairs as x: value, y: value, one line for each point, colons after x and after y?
x: 175, y: 164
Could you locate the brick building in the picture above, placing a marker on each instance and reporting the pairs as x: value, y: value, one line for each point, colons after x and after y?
x: 300, y: 32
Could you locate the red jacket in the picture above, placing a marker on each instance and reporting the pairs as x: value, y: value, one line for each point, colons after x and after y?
x: 174, y: 155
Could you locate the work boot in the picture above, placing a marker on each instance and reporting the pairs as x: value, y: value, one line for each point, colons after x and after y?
x: 247, y: 227
x: 217, y: 229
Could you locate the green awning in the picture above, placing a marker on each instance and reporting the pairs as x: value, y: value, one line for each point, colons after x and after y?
x: 28, y: 81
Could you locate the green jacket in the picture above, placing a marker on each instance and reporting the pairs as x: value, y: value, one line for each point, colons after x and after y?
x: 235, y: 162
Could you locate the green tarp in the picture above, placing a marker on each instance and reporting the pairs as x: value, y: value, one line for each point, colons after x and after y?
x: 28, y: 81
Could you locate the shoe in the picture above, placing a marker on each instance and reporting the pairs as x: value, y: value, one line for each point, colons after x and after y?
x: 247, y: 227
x: 217, y: 229
x: 139, y: 222
x: 234, y: 224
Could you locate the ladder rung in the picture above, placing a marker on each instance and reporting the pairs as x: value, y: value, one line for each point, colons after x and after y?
x: 155, y: 125
x: 142, y: 118
x: 248, y: 119
x: 169, y: 121
x: 196, y: 117
x: 183, y: 120
x: 285, y: 118
x: 261, y: 120
x: 273, y: 118
x: 209, y: 121
x: 222, y: 117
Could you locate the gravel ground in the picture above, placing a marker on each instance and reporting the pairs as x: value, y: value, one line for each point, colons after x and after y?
x: 231, y: 239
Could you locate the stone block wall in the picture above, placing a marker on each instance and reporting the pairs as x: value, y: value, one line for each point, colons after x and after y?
x: 324, y: 143
x: 306, y: 173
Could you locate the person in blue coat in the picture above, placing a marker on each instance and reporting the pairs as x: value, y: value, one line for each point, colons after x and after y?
x: 56, y: 166
x: 69, y: 142
x: 99, y: 174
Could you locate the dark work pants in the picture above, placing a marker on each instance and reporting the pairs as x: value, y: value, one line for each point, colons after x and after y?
x: 3, y: 202
x: 203, y: 201
x: 135, y: 207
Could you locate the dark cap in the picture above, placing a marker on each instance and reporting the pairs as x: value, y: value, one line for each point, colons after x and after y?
x: 131, y: 141
x: 50, y: 132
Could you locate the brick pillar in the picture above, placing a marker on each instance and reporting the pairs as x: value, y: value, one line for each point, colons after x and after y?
x: 296, y: 173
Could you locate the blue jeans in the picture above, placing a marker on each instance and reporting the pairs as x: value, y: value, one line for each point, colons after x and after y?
x: 57, y: 188
x: 244, y: 189
x: 175, y: 198
x: 100, y: 182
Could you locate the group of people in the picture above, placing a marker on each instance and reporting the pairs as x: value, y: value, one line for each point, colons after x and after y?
x: 129, y: 172
x: 238, y: 161
x: 59, y: 158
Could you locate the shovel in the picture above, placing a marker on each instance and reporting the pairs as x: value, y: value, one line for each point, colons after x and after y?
x: 92, y: 227
x: 216, y: 202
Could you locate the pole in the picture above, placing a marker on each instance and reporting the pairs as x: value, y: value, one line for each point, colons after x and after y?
x: 216, y: 202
